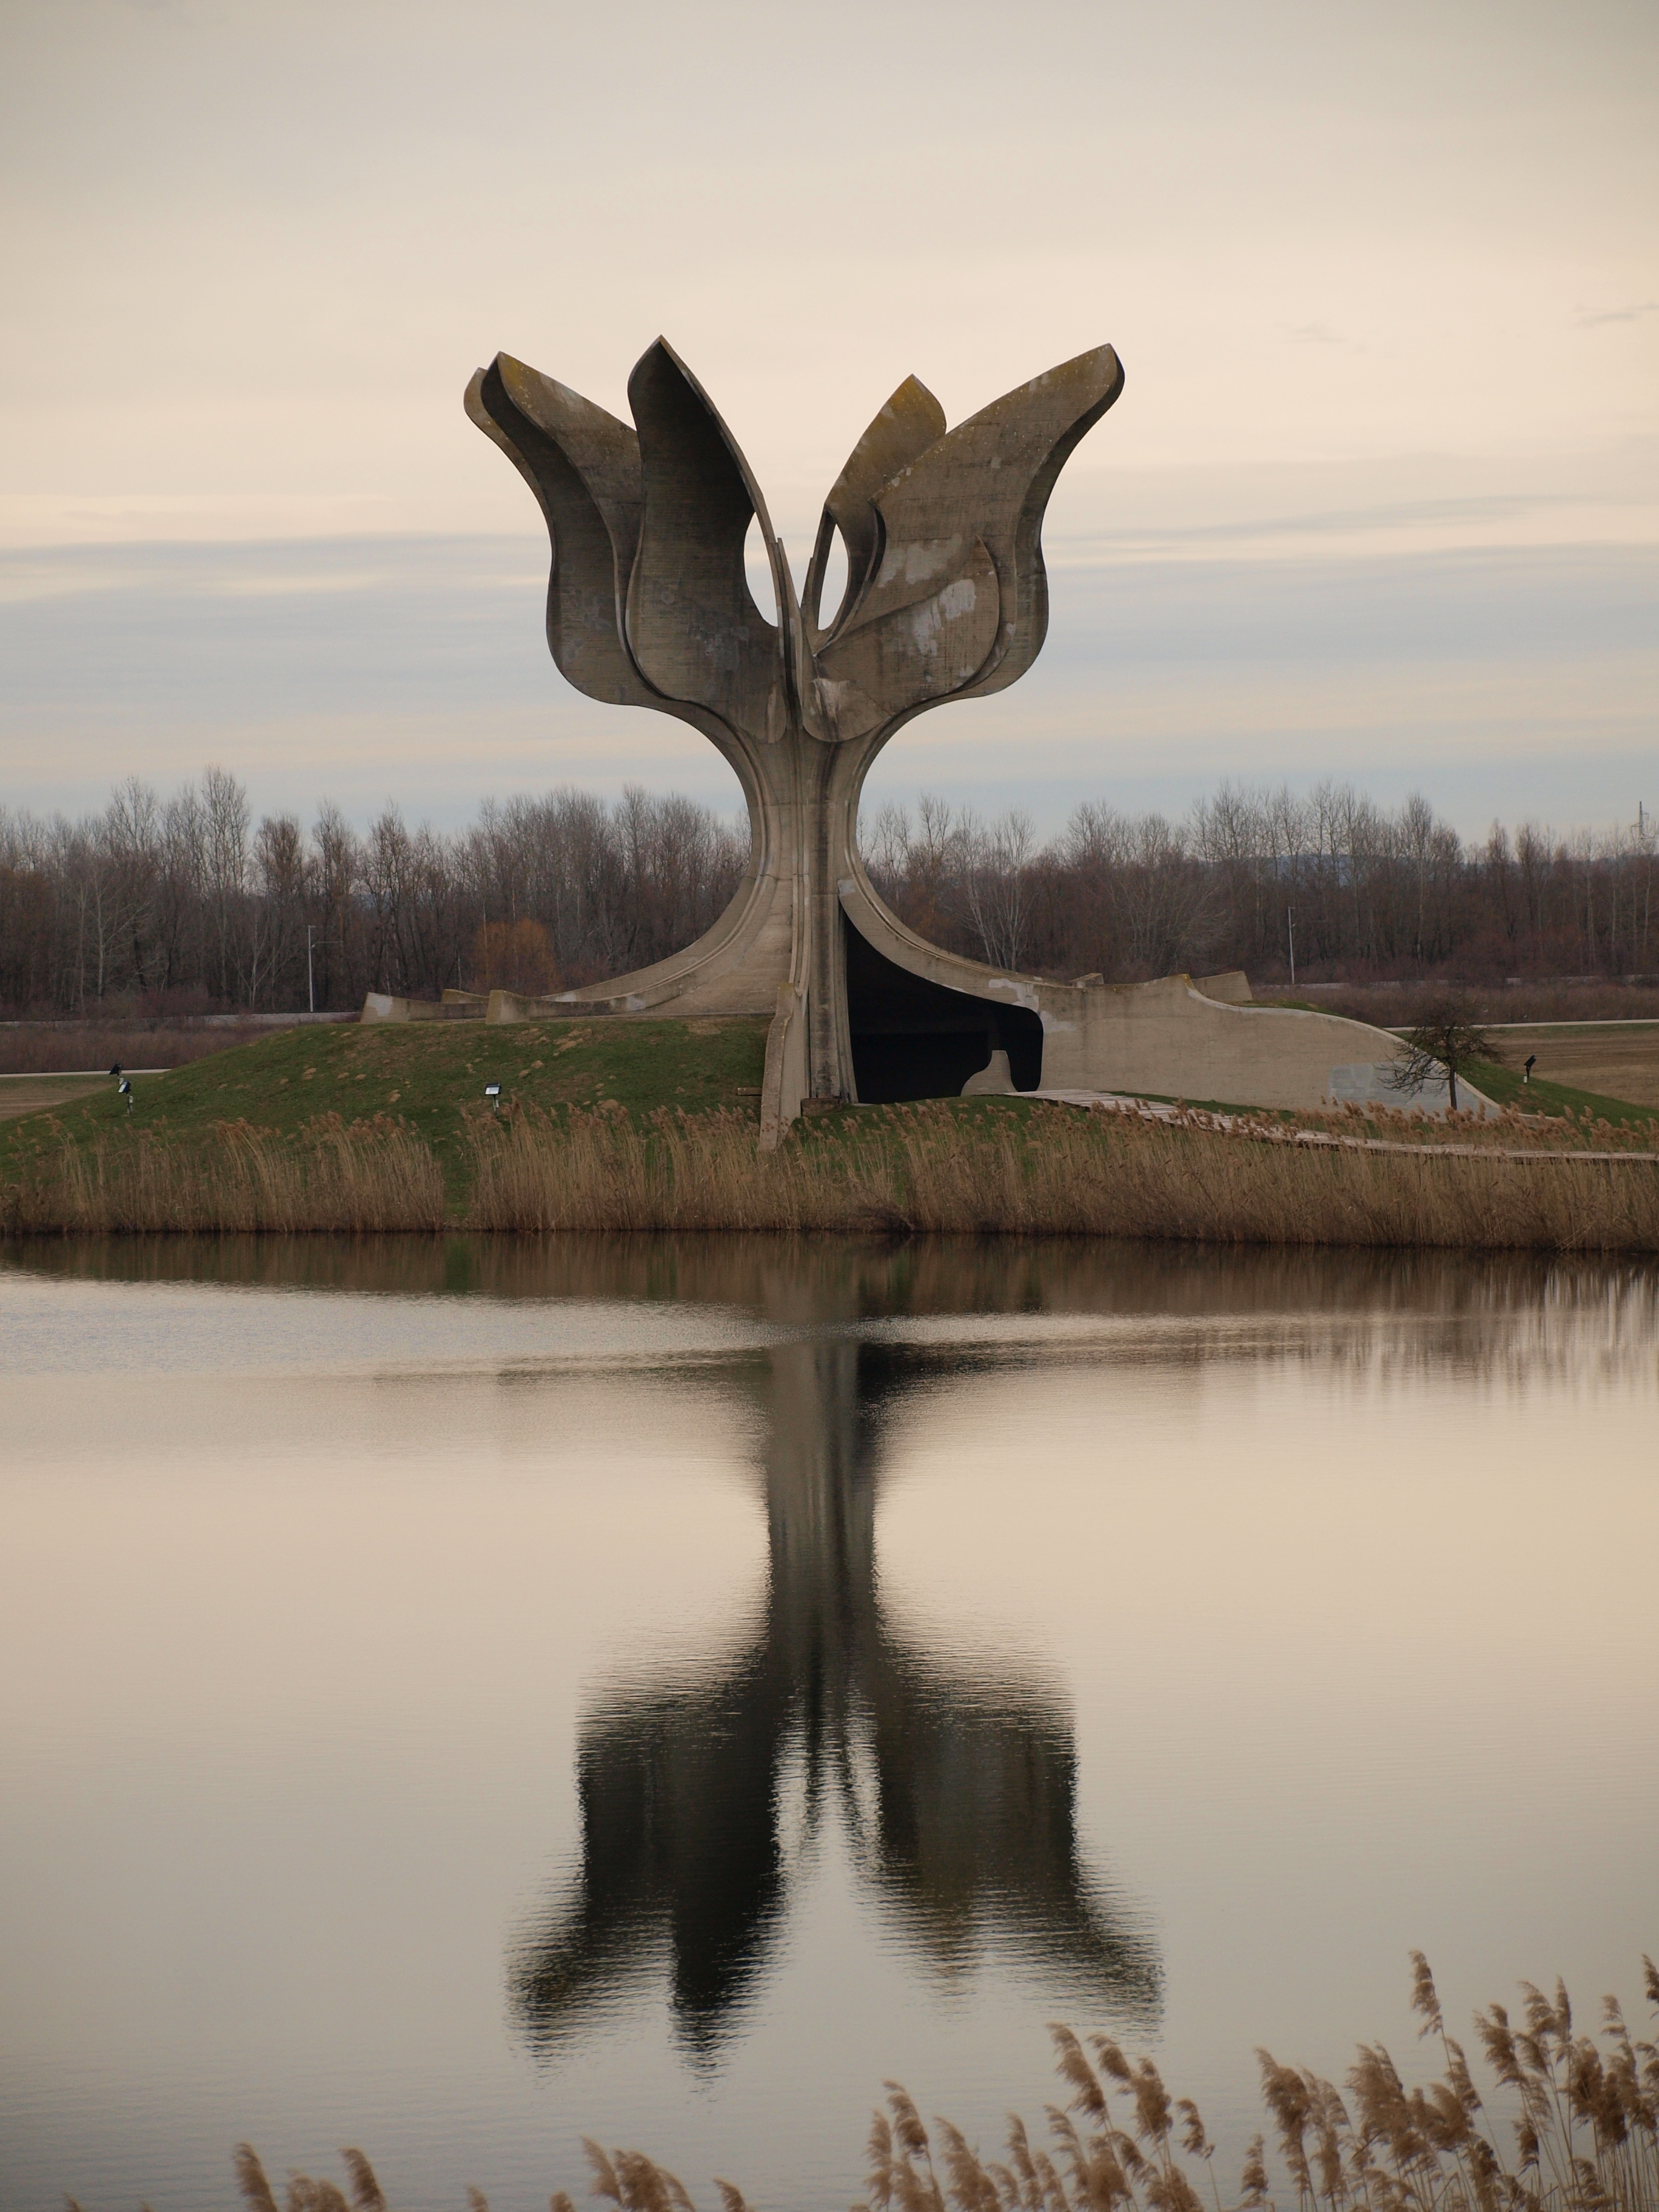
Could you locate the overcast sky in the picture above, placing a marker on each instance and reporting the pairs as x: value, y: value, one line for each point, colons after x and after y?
x: 1380, y: 500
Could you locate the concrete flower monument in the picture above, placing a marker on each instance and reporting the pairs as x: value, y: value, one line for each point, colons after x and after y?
x: 945, y: 597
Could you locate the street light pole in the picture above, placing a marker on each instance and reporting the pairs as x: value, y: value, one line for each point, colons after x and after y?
x: 311, y: 975
x: 1290, y: 930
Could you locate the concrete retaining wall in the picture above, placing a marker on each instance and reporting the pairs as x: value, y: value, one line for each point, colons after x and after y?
x: 1175, y: 1039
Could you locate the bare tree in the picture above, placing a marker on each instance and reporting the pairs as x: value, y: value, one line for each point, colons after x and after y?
x: 276, y: 931
x: 1165, y: 899
x: 1446, y: 1042
x: 181, y: 899
x: 996, y: 883
x: 225, y: 819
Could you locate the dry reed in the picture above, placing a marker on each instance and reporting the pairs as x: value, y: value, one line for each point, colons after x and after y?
x: 1036, y: 1170
x: 365, y: 1176
x: 1581, y: 2135
x: 1045, y: 1171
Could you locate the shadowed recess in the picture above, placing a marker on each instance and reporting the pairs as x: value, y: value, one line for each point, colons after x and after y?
x: 915, y: 1039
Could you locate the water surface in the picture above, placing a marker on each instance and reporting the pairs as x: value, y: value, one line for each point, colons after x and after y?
x: 459, y: 1696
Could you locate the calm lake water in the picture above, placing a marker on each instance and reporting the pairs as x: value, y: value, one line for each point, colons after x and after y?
x: 458, y: 1697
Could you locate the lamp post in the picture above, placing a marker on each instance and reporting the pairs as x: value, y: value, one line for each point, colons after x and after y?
x: 311, y: 977
x: 1290, y: 930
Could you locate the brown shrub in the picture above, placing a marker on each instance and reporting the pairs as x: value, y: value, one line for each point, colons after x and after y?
x: 514, y: 956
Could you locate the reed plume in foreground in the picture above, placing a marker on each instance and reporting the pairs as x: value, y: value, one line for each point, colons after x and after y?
x: 1582, y: 2127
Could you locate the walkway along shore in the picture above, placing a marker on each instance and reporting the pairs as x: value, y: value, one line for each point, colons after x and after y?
x: 1237, y: 1125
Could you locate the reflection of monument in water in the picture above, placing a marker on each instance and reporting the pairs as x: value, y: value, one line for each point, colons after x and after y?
x: 956, y: 1786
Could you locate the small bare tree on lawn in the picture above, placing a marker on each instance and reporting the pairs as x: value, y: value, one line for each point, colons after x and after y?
x: 1445, y: 1040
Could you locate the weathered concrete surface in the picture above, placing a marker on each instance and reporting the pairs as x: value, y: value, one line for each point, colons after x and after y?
x: 946, y: 598
x: 1168, y: 1039
x: 994, y: 1080
x: 649, y: 605
x: 454, y: 1007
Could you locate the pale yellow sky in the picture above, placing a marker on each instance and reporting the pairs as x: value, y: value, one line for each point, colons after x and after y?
x: 254, y: 250
x: 1384, y: 278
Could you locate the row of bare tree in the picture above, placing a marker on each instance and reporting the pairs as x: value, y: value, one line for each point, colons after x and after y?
x: 187, y: 904
x: 1325, y: 883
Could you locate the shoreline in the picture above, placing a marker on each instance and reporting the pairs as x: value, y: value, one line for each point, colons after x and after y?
x: 982, y: 1167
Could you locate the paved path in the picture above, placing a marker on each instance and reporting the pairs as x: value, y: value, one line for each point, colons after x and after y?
x: 1233, y: 1125
x: 33, y: 1093
x: 30, y: 1094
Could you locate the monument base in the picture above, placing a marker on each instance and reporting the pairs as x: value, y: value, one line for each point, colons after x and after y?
x: 926, y: 1024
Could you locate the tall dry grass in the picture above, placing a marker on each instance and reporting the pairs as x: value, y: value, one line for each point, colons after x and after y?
x: 1044, y: 1171
x: 1578, y: 2133
x: 1035, y: 1171
x: 365, y: 1176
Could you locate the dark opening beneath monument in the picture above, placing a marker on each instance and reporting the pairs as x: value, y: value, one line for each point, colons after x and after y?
x: 914, y: 1039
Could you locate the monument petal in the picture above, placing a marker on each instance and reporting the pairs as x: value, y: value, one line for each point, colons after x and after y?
x: 583, y: 465
x: 995, y: 473
x: 693, y: 626
x: 901, y: 433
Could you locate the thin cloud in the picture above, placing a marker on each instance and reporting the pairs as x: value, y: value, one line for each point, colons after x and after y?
x: 1620, y: 315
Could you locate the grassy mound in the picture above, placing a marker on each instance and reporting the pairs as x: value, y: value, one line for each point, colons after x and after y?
x: 423, y: 1077
x: 652, y: 1125
x: 1504, y: 1087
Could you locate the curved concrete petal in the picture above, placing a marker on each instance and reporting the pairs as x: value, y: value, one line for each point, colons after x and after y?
x: 927, y: 647
x: 692, y: 623
x: 901, y: 433
x: 584, y: 467
x: 993, y: 475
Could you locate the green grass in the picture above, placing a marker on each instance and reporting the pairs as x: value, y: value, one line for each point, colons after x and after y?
x: 426, y: 1075
x: 1504, y: 1087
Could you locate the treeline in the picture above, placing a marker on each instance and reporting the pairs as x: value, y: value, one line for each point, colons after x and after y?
x: 1255, y: 880
x: 187, y: 904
